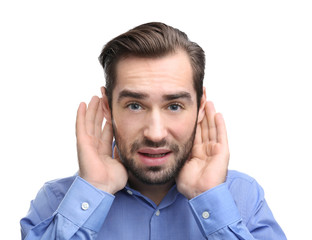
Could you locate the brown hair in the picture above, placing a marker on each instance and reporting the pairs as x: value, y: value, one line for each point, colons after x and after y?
x: 151, y: 40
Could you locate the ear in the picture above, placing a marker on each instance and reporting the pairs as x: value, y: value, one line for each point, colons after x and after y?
x: 105, y: 106
x: 201, y: 111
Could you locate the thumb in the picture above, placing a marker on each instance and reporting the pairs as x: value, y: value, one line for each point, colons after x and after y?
x: 106, y: 140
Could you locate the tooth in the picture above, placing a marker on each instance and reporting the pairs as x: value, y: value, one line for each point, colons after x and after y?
x: 155, y: 155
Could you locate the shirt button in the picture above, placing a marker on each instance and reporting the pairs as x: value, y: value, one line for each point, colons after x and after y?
x: 85, y: 206
x: 205, y: 214
x: 130, y: 192
x: 157, y: 213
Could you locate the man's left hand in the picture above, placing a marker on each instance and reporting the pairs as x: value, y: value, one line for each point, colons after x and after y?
x: 209, y: 159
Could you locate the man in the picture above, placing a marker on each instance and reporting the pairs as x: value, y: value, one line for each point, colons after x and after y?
x: 168, y: 176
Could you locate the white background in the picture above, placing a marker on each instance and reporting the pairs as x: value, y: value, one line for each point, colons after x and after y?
x: 259, y: 60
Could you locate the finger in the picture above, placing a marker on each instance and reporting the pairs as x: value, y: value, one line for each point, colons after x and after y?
x: 221, y: 129
x: 210, y: 113
x: 106, y: 140
x: 80, y: 120
x: 99, y: 120
x: 91, y: 113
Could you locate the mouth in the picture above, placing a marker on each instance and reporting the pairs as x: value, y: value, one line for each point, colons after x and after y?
x: 154, y: 157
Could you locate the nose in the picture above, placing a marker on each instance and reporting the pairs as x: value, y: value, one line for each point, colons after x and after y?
x: 155, y: 128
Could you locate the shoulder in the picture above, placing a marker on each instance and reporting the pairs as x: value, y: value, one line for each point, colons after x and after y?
x: 241, y: 180
x: 247, y: 193
x: 49, y: 197
x: 236, y: 175
x: 61, y: 182
x: 56, y: 189
x: 241, y: 183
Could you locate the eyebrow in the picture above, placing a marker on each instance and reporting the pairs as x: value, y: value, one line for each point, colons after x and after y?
x: 167, y: 97
x: 131, y: 94
x: 179, y: 95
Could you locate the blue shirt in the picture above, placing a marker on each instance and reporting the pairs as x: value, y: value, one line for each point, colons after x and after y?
x: 71, y: 208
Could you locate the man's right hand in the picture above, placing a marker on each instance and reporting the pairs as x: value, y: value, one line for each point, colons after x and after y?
x: 94, y: 147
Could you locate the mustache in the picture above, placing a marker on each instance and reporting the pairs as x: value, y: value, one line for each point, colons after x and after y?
x: 148, y: 143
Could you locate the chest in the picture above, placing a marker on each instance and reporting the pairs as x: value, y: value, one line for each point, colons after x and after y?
x: 131, y: 217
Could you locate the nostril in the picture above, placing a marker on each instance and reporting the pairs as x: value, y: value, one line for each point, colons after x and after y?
x: 155, y: 134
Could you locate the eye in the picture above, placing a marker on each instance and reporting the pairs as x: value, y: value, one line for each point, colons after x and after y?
x: 174, y: 107
x: 134, y: 106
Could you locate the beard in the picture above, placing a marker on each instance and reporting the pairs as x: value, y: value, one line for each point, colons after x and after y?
x: 154, y: 175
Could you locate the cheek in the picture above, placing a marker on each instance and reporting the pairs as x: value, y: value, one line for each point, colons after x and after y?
x: 182, y: 128
x: 127, y: 128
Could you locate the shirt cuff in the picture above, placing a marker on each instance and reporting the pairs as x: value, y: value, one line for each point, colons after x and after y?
x: 85, y: 205
x: 214, y: 209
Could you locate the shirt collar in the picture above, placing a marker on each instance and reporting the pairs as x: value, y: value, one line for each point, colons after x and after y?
x: 167, y: 201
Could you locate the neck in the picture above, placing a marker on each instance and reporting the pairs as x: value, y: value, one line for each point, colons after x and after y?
x: 154, y: 192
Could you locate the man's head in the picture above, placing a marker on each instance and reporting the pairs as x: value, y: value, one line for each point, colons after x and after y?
x: 154, y: 99
x: 151, y: 40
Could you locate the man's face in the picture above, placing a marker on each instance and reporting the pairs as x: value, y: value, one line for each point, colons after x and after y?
x: 154, y: 114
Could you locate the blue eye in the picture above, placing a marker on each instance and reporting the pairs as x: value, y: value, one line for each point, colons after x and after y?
x: 134, y: 106
x: 175, y: 107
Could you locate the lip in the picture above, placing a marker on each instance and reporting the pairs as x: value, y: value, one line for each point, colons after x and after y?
x: 152, y: 160
x: 154, y: 150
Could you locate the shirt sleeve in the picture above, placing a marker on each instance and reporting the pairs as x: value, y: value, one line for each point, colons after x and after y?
x: 218, y: 217
x: 79, y: 215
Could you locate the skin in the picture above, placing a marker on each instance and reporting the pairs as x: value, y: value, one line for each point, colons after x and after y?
x: 157, y: 118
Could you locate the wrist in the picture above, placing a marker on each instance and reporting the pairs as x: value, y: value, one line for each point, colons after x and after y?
x: 97, y: 184
x: 191, y: 192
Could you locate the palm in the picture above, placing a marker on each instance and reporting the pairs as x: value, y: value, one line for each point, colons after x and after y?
x: 94, y: 146
x: 207, y: 166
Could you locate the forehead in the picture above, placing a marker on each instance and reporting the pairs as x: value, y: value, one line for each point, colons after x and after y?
x: 168, y: 74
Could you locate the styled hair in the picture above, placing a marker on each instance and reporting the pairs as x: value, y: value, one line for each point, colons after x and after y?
x: 151, y: 40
